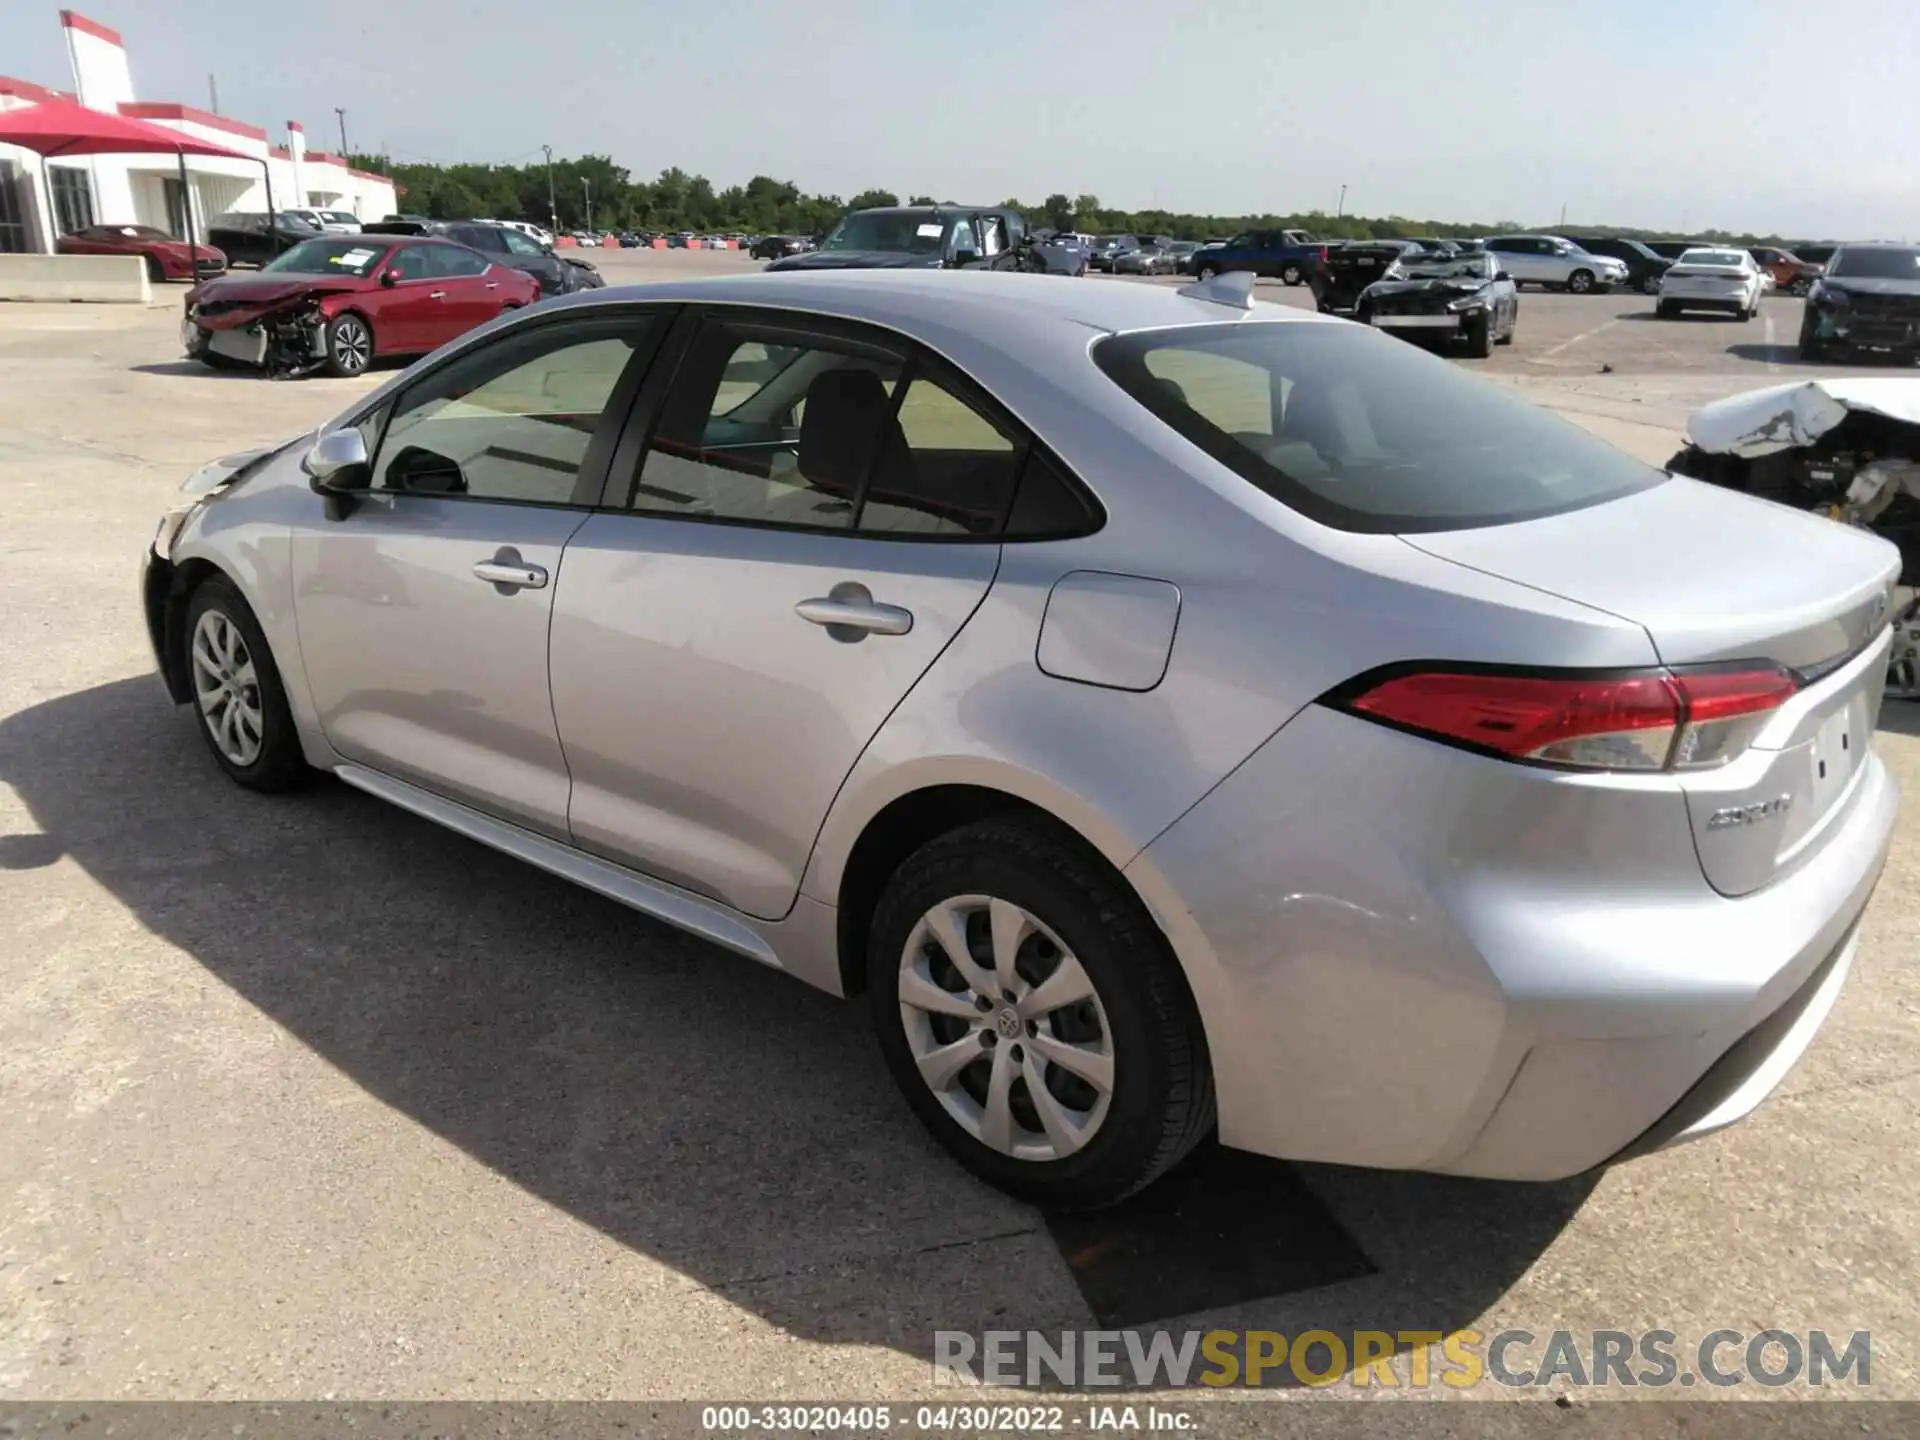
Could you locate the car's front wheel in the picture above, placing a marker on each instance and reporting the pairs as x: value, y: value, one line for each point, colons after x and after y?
x: 1580, y: 281
x: 1479, y: 335
x: 241, y: 704
x: 1650, y: 285
x: 1034, y: 1018
x: 1206, y: 272
x: 1291, y: 274
x: 349, y: 343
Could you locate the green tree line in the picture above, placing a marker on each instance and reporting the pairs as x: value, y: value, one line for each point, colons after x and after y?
x: 676, y: 200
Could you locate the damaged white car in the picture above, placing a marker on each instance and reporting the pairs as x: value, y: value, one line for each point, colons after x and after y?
x: 1847, y: 448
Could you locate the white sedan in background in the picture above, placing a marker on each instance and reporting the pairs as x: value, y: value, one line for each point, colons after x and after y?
x: 1708, y: 278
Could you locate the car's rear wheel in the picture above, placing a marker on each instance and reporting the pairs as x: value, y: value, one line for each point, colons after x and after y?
x: 1291, y: 275
x: 239, y: 700
x: 156, y: 272
x: 1580, y: 281
x: 349, y: 341
x: 1034, y: 1018
x: 1206, y: 272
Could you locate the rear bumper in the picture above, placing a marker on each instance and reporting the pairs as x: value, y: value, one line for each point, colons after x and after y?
x: 1579, y: 992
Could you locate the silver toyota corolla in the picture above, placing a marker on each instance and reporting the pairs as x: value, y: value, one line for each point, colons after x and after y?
x: 1178, y: 715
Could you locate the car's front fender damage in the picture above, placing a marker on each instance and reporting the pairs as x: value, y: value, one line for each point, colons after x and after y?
x: 296, y: 334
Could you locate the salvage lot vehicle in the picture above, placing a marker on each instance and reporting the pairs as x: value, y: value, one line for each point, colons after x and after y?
x: 1848, y: 449
x: 1016, y: 705
x: 925, y: 237
x: 1787, y: 270
x: 1645, y: 265
x: 166, y: 257
x: 1868, y: 299
x: 1556, y: 263
x: 249, y: 240
x: 1444, y: 297
x: 1152, y: 255
x: 1718, y: 279
x: 557, y: 274
x: 339, y: 304
x: 1289, y: 256
x: 1351, y: 266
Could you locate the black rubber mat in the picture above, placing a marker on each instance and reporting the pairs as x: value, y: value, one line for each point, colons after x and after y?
x: 1227, y: 1228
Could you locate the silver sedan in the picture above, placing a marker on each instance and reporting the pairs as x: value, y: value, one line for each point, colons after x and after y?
x: 1177, y: 715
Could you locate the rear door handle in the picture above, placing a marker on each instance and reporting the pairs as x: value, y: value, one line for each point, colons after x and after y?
x: 515, y: 574
x: 849, y: 612
x: 493, y: 284
x: 436, y: 295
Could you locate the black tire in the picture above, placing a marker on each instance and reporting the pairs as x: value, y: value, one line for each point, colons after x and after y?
x: 1811, y: 346
x: 1650, y: 285
x: 279, y: 764
x: 1800, y: 286
x: 1291, y: 274
x: 1666, y: 310
x: 1206, y: 272
x: 154, y: 271
x: 347, y: 356
x: 1580, y: 282
x: 1162, y: 1101
x: 1479, y: 336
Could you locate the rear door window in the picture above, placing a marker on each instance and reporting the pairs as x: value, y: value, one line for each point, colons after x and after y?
x: 1361, y: 433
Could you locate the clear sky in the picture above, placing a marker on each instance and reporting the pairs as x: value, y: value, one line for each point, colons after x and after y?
x: 1771, y: 115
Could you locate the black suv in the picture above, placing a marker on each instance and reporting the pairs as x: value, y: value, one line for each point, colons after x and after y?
x: 1645, y: 265
x: 247, y: 240
x: 1869, y: 298
x: 919, y: 237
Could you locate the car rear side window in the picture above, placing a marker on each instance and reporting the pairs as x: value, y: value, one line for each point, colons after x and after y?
x: 1362, y: 433
x: 953, y: 475
x: 771, y: 427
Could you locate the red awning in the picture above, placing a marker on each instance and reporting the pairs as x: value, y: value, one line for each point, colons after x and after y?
x: 62, y: 127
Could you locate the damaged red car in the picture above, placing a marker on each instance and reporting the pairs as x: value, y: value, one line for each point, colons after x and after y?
x: 335, y: 305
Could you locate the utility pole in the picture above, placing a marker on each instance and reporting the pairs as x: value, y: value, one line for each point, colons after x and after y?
x: 1341, y: 208
x: 587, y: 185
x: 553, y: 206
x: 1563, y: 214
x: 342, y: 114
x: 213, y: 93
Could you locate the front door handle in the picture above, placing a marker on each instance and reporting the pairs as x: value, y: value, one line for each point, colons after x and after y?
x: 436, y: 295
x: 849, y: 612
x: 511, y: 574
x: 493, y: 284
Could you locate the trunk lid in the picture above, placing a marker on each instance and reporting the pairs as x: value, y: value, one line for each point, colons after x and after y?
x: 1714, y: 575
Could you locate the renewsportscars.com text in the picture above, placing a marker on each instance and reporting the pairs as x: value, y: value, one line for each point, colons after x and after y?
x: 1460, y: 1360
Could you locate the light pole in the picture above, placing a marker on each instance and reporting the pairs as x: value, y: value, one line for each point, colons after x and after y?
x: 553, y: 206
x: 1341, y: 209
x: 344, y: 151
x: 587, y: 185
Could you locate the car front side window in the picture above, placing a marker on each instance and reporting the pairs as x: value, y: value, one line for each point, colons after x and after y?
x: 514, y: 419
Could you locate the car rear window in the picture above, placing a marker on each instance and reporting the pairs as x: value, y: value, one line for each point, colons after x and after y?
x: 1361, y: 432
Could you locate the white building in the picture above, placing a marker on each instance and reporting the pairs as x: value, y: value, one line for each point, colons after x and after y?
x: 145, y: 189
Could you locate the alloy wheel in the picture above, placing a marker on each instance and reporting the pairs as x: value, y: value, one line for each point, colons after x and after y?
x: 352, y: 345
x: 227, y: 688
x: 1580, y: 282
x: 1006, y: 1028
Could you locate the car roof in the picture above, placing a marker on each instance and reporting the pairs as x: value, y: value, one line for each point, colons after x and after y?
x: 981, y: 305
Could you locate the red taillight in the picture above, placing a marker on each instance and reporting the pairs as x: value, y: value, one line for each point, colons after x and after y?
x: 1648, y: 721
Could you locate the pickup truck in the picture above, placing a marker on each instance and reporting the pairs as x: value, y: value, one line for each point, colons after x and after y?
x: 1291, y: 256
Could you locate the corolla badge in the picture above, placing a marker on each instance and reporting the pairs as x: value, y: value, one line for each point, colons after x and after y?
x: 1735, y: 815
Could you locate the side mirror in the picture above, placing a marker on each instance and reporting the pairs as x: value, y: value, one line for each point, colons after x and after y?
x: 339, y: 468
x: 964, y: 258
x: 389, y: 278
x: 1501, y: 275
